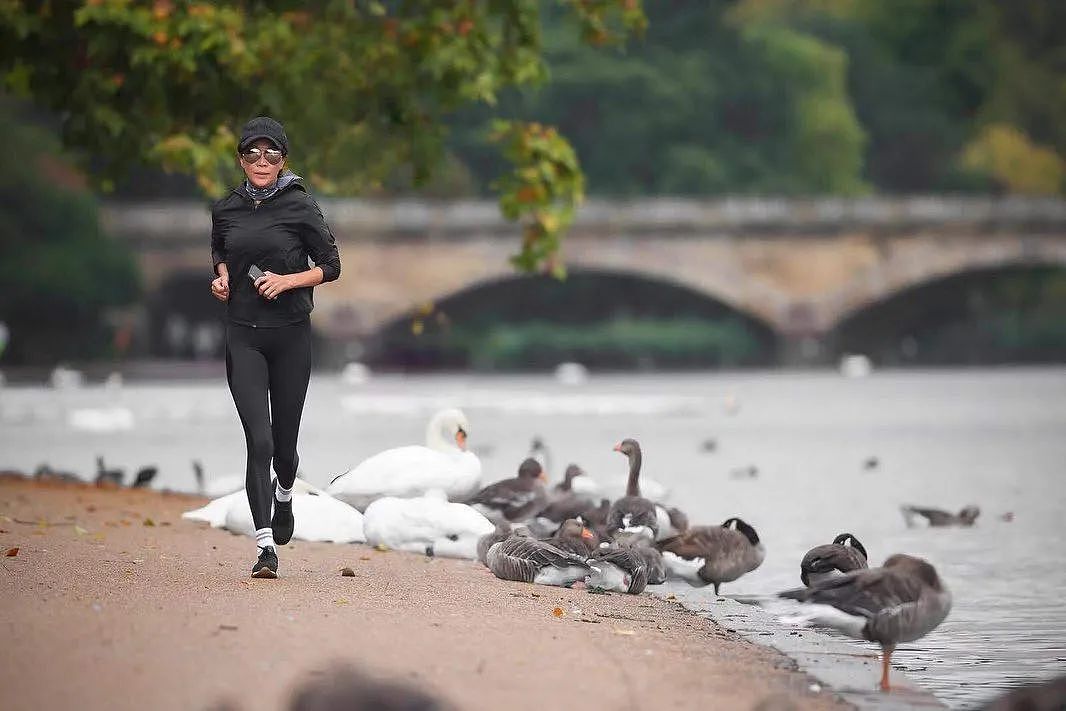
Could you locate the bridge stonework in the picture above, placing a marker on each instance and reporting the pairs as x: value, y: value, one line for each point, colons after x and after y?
x: 800, y: 266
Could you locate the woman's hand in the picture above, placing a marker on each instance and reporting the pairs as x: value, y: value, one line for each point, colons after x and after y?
x: 220, y: 287
x: 271, y: 284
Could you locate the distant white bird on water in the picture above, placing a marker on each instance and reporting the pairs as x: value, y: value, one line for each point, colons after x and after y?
x: 113, y: 418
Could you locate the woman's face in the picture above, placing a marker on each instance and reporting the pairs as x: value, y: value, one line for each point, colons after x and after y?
x: 260, y: 172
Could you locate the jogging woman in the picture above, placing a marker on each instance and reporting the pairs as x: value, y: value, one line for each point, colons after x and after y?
x: 262, y: 235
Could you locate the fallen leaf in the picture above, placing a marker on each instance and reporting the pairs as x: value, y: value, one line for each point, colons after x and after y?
x: 341, y: 601
x: 80, y: 531
x: 364, y: 557
x: 381, y: 547
x: 12, y: 552
x: 627, y: 633
x: 149, y: 522
x: 347, y: 572
x: 231, y: 628
x: 558, y: 612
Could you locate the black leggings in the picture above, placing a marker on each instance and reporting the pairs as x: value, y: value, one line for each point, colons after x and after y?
x: 274, y: 361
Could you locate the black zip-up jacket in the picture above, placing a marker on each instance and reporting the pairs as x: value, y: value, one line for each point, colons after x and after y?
x: 277, y: 235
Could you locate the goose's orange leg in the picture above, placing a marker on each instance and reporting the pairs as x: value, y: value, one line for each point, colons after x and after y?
x: 886, y: 666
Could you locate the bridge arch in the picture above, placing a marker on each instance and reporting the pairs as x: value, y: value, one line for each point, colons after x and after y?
x: 909, y: 263
x: 183, y: 319
x: 601, y: 317
x: 1007, y: 312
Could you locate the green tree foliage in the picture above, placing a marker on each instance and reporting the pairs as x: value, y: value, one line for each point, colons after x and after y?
x: 58, y: 272
x: 952, y: 95
x: 811, y: 96
x: 364, y: 87
x: 702, y: 103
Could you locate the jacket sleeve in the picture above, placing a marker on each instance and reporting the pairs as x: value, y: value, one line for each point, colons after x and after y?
x: 319, y: 241
x: 218, y: 244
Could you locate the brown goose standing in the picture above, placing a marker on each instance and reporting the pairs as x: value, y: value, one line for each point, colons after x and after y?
x: 575, y: 538
x: 618, y: 570
x: 528, y: 560
x: 503, y: 531
x: 833, y: 559
x: 647, y: 552
x: 712, y: 555
x: 901, y: 601
x: 514, y: 499
x: 633, y: 513
x: 939, y: 518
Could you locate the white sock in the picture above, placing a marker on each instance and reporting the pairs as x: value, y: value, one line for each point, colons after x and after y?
x: 264, y: 537
x: 281, y: 493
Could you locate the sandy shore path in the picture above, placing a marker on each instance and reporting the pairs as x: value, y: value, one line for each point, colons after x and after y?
x: 114, y: 602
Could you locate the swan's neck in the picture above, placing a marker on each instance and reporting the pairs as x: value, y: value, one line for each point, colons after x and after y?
x: 633, y: 486
x: 436, y: 440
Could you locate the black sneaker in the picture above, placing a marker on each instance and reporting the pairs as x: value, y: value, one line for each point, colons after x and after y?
x: 267, y: 565
x: 282, y: 522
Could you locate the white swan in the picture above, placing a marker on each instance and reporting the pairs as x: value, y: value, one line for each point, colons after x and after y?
x: 443, y: 463
x: 429, y: 525
x: 319, y: 516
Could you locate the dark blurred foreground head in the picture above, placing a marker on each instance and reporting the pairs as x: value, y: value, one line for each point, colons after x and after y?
x: 342, y: 688
x: 1047, y: 696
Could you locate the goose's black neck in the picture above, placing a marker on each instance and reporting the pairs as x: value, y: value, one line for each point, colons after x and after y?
x: 633, y: 485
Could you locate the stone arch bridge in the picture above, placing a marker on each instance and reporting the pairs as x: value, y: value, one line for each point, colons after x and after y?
x: 799, y: 266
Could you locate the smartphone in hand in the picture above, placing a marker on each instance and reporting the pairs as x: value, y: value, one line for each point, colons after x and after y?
x: 254, y: 272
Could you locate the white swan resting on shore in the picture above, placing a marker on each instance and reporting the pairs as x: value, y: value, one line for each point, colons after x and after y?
x: 443, y: 463
x: 319, y: 516
x: 429, y: 524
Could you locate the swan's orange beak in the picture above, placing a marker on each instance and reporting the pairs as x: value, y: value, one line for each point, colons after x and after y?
x: 460, y: 438
x: 585, y: 533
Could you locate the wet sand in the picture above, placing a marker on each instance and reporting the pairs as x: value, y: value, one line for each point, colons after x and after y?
x: 114, y: 602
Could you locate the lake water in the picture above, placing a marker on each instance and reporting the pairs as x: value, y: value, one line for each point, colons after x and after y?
x: 995, y: 438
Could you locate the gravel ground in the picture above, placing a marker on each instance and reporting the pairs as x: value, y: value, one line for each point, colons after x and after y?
x: 114, y: 602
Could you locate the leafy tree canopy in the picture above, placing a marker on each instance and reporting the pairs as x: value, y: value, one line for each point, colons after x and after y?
x: 363, y: 87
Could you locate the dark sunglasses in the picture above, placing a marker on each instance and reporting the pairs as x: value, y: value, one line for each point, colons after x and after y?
x: 252, y: 155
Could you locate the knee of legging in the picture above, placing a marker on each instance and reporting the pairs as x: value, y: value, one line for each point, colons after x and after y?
x: 261, y: 445
x: 285, y: 464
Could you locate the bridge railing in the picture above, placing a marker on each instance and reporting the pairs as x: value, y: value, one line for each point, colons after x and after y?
x: 472, y: 219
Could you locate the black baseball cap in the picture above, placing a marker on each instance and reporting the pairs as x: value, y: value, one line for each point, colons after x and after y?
x: 263, y: 127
